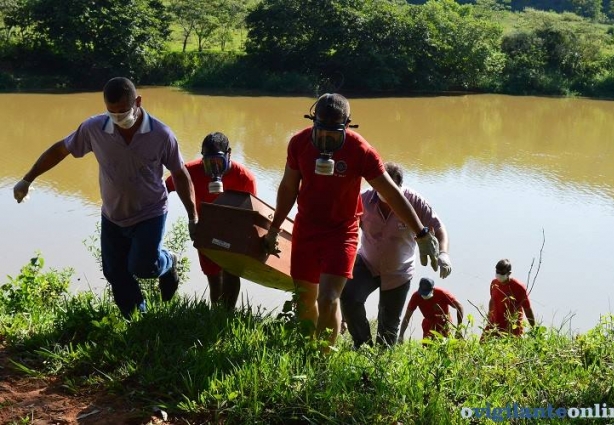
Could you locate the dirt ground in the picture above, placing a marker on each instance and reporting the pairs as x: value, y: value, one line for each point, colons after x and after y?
x: 25, y: 400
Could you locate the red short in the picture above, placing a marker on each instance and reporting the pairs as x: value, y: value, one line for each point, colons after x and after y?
x: 428, y: 326
x: 330, y: 253
x: 208, y: 266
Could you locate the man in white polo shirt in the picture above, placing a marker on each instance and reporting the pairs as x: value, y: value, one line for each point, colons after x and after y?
x: 132, y: 148
x: 386, y: 260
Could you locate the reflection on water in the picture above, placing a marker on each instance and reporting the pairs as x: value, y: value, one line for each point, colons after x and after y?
x: 507, y: 174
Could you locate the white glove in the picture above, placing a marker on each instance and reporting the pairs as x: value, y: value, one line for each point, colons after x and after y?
x: 20, y: 191
x: 445, y: 264
x: 428, y: 245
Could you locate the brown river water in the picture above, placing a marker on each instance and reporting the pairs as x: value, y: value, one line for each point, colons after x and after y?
x: 506, y: 175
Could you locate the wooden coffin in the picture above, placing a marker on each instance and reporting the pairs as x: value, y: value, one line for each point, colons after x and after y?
x: 230, y: 232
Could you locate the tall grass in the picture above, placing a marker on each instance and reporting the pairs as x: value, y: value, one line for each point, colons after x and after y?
x: 208, y: 365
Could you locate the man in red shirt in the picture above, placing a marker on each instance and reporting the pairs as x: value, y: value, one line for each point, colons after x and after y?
x: 325, y: 166
x: 210, y: 175
x: 508, y: 299
x: 434, y: 304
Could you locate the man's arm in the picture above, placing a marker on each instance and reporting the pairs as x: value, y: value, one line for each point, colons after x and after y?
x: 530, y: 316
x: 405, y: 322
x: 48, y: 159
x: 459, y: 312
x: 185, y: 191
x: 490, y: 309
x: 286, y: 196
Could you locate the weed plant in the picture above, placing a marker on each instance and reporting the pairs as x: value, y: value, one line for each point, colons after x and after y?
x: 249, y: 366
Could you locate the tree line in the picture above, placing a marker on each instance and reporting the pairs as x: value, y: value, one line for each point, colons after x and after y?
x: 302, y: 46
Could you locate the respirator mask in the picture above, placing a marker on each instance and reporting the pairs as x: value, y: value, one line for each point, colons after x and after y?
x: 327, y: 139
x: 124, y: 120
x: 215, y: 166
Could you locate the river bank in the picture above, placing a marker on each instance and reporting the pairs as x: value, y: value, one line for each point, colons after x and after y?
x: 76, y: 355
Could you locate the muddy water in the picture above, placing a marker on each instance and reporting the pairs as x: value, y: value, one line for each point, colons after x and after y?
x: 530, y: 179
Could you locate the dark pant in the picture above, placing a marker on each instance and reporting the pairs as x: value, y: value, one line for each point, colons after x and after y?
x: 129, y: 253
x: 390, y: 308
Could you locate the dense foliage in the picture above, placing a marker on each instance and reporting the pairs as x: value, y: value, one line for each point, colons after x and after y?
x: 90, y: 40
x: 376, y: 45
x: 373, y: 46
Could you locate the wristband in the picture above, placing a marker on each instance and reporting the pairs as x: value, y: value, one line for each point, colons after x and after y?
x: 422, y: 233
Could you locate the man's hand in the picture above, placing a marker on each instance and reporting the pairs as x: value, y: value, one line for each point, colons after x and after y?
x: 428, y: 245
x: 20, y: 191
x: 271, y: 243
x: 445, y: 264
x: 192, y: 228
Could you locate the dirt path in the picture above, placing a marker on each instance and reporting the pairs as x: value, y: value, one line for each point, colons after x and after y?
x: 25, y: 400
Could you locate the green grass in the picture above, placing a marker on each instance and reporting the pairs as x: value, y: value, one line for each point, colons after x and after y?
x: 205, y: 364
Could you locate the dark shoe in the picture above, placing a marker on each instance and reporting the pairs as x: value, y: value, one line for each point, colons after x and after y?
x: 169, y: 281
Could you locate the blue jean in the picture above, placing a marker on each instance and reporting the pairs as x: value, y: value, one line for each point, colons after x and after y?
x: 129, y: 253
x: 390, y: 308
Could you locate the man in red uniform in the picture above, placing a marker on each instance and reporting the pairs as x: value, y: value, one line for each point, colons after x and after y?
x: 210, y: 175
x: 434, y: 304
x: 325, y: 166
x: 508, y: 300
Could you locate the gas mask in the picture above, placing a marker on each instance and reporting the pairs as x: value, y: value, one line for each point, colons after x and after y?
x: 215, y: 166
x: 327, y: 139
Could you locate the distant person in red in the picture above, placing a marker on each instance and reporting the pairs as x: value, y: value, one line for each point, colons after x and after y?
x: 434, y: 304
x: 508, y: 300
x: 211, y: 175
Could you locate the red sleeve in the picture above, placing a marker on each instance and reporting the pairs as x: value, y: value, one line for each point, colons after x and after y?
x: 523, y: 296
x: 374, y: 166
x: 170, y: 184
x: 450, y: 298
x: 413, y: 302
x: 425, y: 212
x: 250, y: 184
x: 292, y: 158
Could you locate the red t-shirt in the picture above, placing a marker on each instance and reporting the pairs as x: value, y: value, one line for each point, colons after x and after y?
x: 436, y: 310
x: 327, y: 203
x: 238, y: 178
x: 508, y: 302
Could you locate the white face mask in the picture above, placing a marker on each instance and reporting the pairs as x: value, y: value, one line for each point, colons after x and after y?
x: 124, y: 120
x: 502, y: 277
x: 429, y: 296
